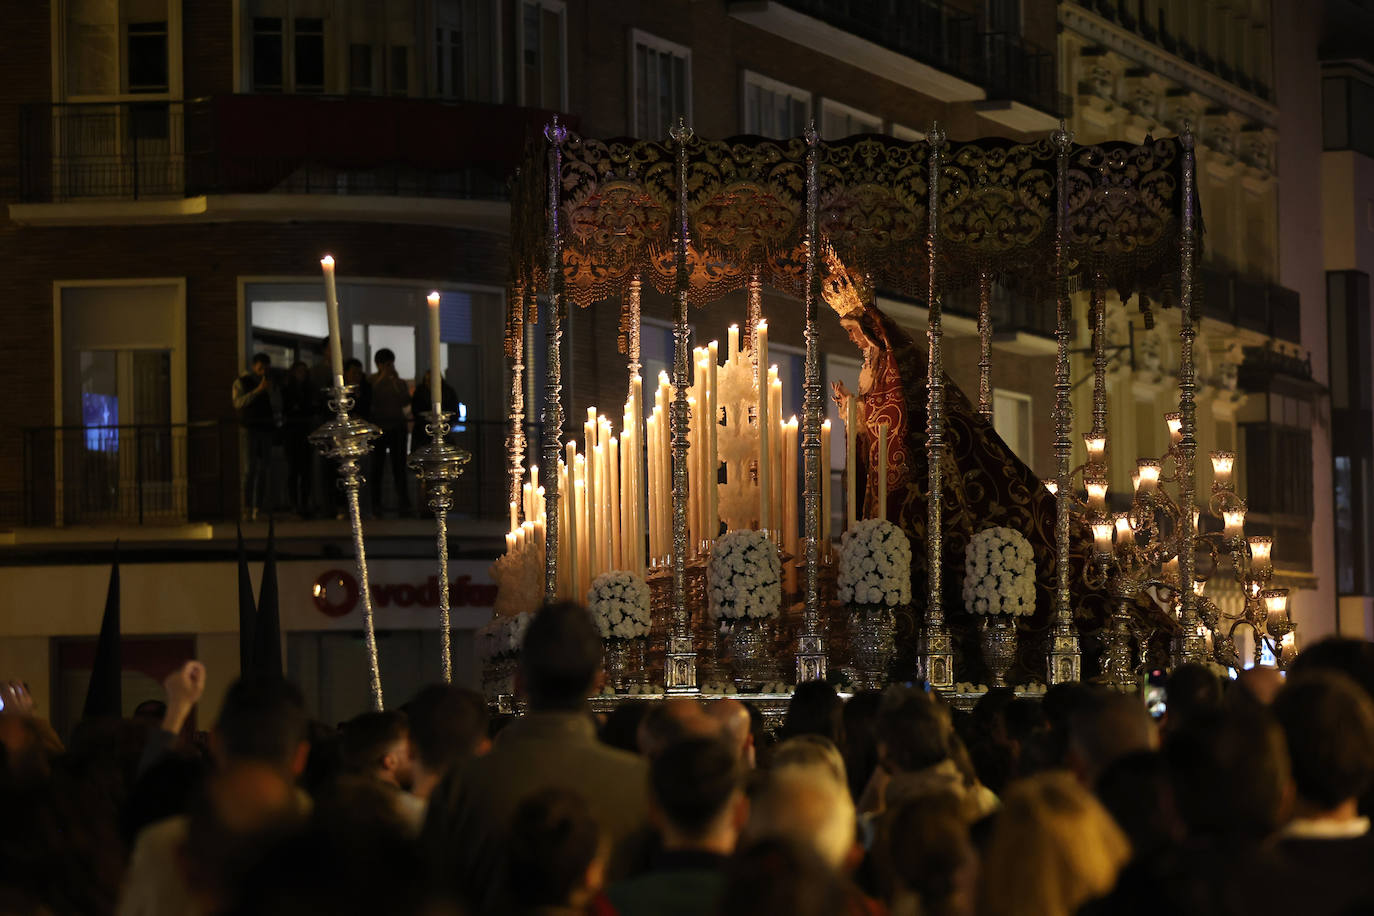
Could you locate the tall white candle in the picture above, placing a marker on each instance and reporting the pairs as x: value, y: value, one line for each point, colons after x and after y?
x: 775, y: 441
x: 882, y: 469
x: 732, y: 343
x: 331, y: 301
x: 765, y: 431
x: 851, y: 466
x: 436, y: 371
x: 712, y: 448
x: 825, y: 488
x: 617, y: 527
x: 789, y: 505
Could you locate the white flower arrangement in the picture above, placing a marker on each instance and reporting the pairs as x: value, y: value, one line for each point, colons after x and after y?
x: 519, y: 578
x: 503, y: 636
x: 1027, y: 689
x: 619, y: 604
x: 745, y: 577
x: 875, y: 565
x: 635, y: 690
x: 999, y: 573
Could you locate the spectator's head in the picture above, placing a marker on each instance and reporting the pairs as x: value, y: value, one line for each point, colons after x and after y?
x: 378, y: 744
x: 733, y: 718
x: 696, y: 795
x: 1107, y: 726
x: 561, y: 657
x: 1135, y: 790
x: 1049, y: 748
x: 1352, y: 657
x: 913, y: 731
x: 860, y: 747
x: 262, y: 720
x: 1192, y: 689
x: 807, y: 805
x: 815, y: 709
x: 353, y: 371
x: 447, y: 725
x: 780, y: 877
x: 261, y: 363
x: 811, y: 751
x: 1229, y: 773
x: 621, y: 728
x: 300, y: 371
x: 1329, y: 724
x: 671, y: 721
x: 924, y: 859
x: 384, y: 357
x: 1053, y: 848
x: 555, y: 855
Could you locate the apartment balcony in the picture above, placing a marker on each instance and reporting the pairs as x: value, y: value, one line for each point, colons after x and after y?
x: 1252, y: 304
x: 925, y: 45
x: 266, y: 156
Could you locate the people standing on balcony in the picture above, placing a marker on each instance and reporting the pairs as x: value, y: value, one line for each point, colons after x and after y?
x: 421, y: 404
x: 390, y: 399
x: 298, y: 413
x: 257, y: 398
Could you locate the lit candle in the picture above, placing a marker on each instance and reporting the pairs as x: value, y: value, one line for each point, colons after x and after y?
x: 576, y: 527
x: 1096, y: 445
x: 1053, y: 487
x: 851, y: 467
x: 1148, y: 470
x: 761, y: 353
x: 776, y: 441
x: 1199, y: 586
x: 1174, y: 421
x: 732, y: 344
x: 1102, y: 538
x: 617, y: 553
x: 1135, y: 481
x: 331, y: 301
x: 883, y: 428
x: 825, y: 488
x: 1097, y: 494
x: 514, y: 516
x: 789, y: 505
x: 713, y: 445
x: 765, y: 450
x: 1124, y: 531
x: 1261, y: 548
x: 436, y: 372
x: 510, y: 540
x: 1235, y: 522
x: 1222, y: 465
x: 1276, y: 605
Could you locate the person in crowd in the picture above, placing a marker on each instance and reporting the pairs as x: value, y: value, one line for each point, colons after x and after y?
x: 733, y: 718
x: 1107, y: 726
x: 188, y: 864
x: 806, y: 804
x: 697, y: 803
x: 1352, y: 657
x: 621, y: 728
x: 1053, y: 848
x: 554, y: 745
x: 1134, y: 789
x: 814, y: 709
x: 171, y: 769
x: 298, y: 417
x: 556, y: 864
x: 781, y: 877
x: 376, y: 745
x: 860, y: 747
x: 1328, y: 722
x: 672, y: 721
x: 810, y: 750
x: 924, y: 860
x: 1191, y: 689
x: 390, y: 400
x: 257, y: 400
x: 422, y: 404
x: 448, y: 726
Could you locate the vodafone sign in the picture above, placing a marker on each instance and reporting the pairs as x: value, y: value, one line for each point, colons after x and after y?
x: 337, y: 593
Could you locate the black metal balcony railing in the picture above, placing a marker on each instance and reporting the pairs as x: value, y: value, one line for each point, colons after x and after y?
x: 175, y: 473
x: 1250, y: 303
x: 1006, y: 65
x: 245, y: 144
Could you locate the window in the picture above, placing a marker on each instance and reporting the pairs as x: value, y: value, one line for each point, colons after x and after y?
x: 1011, y: 418
x: 541, y: 54
x: 1004, y: 16
x: 360, y: 68
x: 774, y: 109
x: 400, y: 70
x: 268, y: 54
x: 115, y: 47
x: 660, y: 84
x: 465, y: 39
x: 839, y: 120
x: 309, y: 48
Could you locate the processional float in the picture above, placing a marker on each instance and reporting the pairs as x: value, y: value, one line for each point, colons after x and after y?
x: 697, y: 219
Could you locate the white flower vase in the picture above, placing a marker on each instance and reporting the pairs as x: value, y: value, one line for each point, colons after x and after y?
x: 871, y: 632
x: 616, y: 661
x: 998, y: 637
x: 751, y: 653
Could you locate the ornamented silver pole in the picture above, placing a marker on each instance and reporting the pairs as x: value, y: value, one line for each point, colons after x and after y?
x: 1064, y: 662
x: 1189, y: 646
x: 348, y: 440
x: 985, y: 345
x: 515, y: 439
x: 632, y: 332
x: 680, y: 675
x: 555, y: 133
x: 1099, y: 330
x: 438, y: 465
x: 811, y: 656
x: 936, y: 647
x: 755, y: 313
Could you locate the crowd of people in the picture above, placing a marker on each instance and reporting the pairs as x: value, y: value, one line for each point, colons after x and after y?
x: 278, y: 408
x: 1249, y: 796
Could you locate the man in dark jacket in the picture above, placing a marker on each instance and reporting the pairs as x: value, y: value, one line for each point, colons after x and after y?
x: 258, y: 402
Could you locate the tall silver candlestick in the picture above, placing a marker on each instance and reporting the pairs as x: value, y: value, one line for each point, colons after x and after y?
x: 438, y: 465
x: 347, y: 439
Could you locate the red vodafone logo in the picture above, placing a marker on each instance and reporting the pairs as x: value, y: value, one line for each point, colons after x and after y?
x: 336, y: 593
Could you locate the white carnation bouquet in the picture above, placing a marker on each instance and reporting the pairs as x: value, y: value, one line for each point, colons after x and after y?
x: 519, y: 578
x: 745, y: 577
x: 999, y: 573
x: 619, y: 603
x: 503, y: 636
x: 875, y: 565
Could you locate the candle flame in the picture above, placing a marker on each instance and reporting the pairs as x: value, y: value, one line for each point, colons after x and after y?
x: 327, y: 262
x: 433, y: 299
